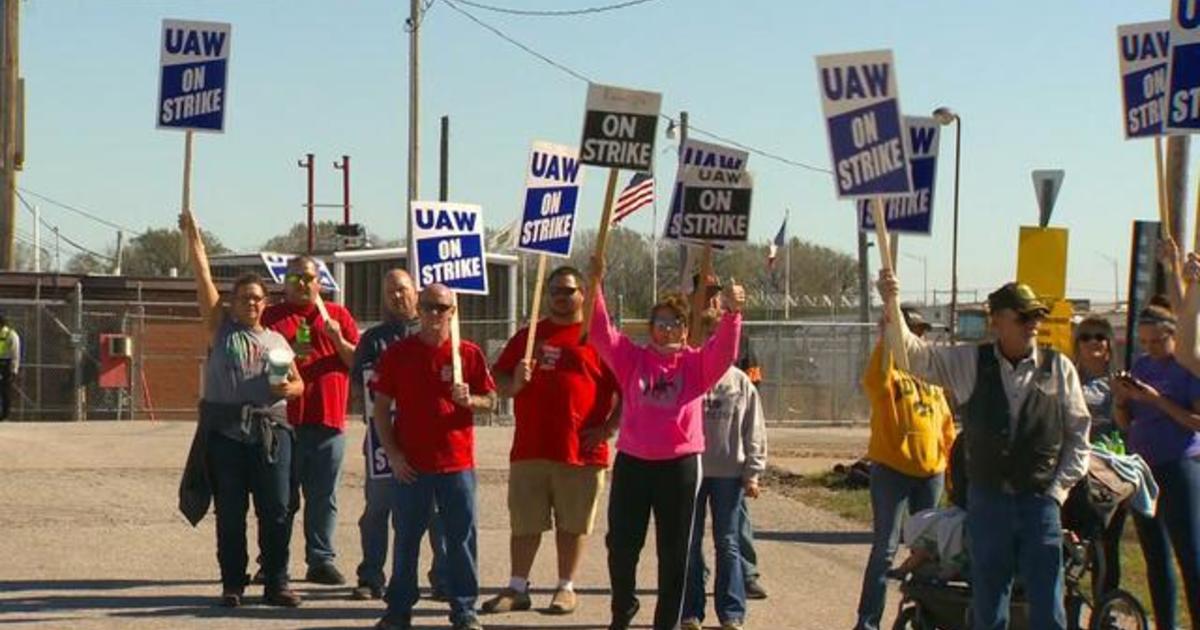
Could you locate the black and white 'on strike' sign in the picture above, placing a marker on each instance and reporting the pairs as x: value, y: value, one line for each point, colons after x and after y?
x: 716, y: 204
x: 619, y: 127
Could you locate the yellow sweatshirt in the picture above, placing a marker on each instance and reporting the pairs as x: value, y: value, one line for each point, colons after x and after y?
x: 912, y: 427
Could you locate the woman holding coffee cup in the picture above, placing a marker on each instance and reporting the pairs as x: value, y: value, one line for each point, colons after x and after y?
x: 243, y: 444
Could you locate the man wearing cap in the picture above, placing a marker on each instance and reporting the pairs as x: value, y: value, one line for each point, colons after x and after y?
x: 1025, y: 428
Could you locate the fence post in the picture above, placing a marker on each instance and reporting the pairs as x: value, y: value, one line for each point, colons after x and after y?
x: 77, y: 341
x: 37, y: 327
x: 781, y: 406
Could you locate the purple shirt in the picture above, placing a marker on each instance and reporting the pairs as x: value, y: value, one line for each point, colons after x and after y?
x: 1153, y: 434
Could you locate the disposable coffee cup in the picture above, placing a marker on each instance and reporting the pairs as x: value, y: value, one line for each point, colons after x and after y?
x: 279, y: 362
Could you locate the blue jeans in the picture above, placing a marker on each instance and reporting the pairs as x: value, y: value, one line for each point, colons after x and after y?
x: 729, y: 595
x: 890, y: 492
x: 318, y: 462
x: 374, y: 534
x: 454, y: 496
x: 1175, y: 527
x: 239, y: 470
x: 1007, y: 532
x: 746, y: 543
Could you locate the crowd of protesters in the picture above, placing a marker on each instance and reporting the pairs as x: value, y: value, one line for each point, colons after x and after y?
x: 691, y: 444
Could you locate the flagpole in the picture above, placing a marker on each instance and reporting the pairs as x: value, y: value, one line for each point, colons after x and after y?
x: 654, y: 247
x: 787, y: 270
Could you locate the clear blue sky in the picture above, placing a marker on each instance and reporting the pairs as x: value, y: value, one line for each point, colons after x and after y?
x: 1035, y: 84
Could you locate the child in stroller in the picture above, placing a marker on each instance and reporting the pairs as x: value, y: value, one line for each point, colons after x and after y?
x: 936, y: 595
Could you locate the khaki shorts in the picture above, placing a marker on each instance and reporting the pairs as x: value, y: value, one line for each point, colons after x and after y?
x: 538, y: 488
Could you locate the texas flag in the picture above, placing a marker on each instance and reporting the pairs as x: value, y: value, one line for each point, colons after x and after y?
x: 776, y: 244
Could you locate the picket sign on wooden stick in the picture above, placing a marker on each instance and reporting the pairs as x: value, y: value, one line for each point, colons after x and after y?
x: 320, y: 304
x: 893, y: 335
x: 536, y: 306
x: 187, y: 192
x: 455, y: 339
x: 589, y: 303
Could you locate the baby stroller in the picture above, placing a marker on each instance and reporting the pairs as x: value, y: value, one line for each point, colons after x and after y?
x: 930, y: 603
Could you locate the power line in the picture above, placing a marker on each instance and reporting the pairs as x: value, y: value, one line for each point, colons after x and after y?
x: 554, y: 12
x: 578, y: 75
x: 81, y: 212
x: 514, y: 42
x: 58, y: 233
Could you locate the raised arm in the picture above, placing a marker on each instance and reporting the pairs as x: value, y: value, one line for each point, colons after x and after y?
x: 1186, y: 352
x: 609, y: 343
x: 207, y: 297
x: 721, y: 349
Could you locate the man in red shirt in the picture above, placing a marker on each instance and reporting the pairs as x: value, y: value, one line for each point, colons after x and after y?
x: 319, y: 416
x: 564, y: 416
x: 431, y: 448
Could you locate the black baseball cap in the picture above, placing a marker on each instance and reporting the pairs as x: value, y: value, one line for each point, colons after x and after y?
x: 1019, y: 297
x: 913, y: 318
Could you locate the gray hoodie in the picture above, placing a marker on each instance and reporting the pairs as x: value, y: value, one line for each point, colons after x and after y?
x: 735, y: 433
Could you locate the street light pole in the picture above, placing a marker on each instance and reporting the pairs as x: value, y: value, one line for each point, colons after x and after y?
x: 945, y: 116
x: 924, y: 260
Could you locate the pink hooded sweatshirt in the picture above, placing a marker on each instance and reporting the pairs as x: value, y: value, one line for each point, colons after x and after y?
x: 662, y: 394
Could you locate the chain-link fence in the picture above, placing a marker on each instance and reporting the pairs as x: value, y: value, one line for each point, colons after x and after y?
x: 811, y: 370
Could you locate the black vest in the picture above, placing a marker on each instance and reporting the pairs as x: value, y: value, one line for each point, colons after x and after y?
x: 1028, y: 460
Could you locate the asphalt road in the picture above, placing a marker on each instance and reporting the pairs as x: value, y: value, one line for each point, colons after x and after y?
x: 90, y: 538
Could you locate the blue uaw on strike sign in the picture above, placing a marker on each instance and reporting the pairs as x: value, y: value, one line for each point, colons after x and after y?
x: 911, y: 213
x: 193, y: 75
x: 706, y: 155
x: 1143, y: 50
x: 449, y: 241
x: 862, y: 114
x: 1183, y: 82
x: 277, y: 266
x: 552, y: 180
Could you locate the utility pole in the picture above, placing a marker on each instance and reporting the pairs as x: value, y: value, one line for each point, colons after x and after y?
x: 307, y: 163
x: 10, y: 69
x: 120, y: 252
x: 344, y: 167
x: 37, y: 239
x: 864, y: 279
x: 1176, y: 174
x: 414, y: 22
x: 444, y: 161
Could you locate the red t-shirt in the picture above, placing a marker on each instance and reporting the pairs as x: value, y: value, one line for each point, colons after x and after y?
x: 571, y: 390
x: 435, y: 434
x: 326, y: 377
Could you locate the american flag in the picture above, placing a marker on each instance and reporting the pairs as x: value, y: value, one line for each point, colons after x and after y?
x: 780, y: 240
x: 638, y: 194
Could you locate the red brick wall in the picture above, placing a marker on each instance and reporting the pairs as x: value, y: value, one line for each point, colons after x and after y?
x: 171, y: 354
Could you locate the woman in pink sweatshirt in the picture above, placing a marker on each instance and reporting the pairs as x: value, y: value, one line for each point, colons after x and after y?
x: 661, y: 439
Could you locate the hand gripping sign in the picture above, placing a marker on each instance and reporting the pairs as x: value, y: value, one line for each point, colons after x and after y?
x: 552, y: 179
x: 193, y: 68
x: 1143, y: 51
x: 912, y: 213
x: 861, y: 103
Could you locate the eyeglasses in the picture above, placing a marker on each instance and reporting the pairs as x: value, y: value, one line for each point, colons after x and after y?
x: 667, y: 323
x: 300, y: 278
x: 563, y: 291
x: 1086, y: 337
x: 434, y: 308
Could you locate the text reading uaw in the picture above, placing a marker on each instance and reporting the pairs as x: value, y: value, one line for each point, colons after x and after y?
x: 197, y: 98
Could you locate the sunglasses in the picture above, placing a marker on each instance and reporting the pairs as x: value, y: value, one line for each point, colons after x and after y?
x: 300, y: 278
x: 1026, y: 318
x: 671, y: 323
x: 1086, y: 337
x: 430, y: 307
x: 563, y: 291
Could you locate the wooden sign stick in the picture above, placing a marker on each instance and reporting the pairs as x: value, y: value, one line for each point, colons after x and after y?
x: 700, y: 296
x: 1164, y: 211
x: 535, y: 307
x: 455, y: 339
x: 187, y: 192
x: 601, y: 241
x: 893, y: 336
